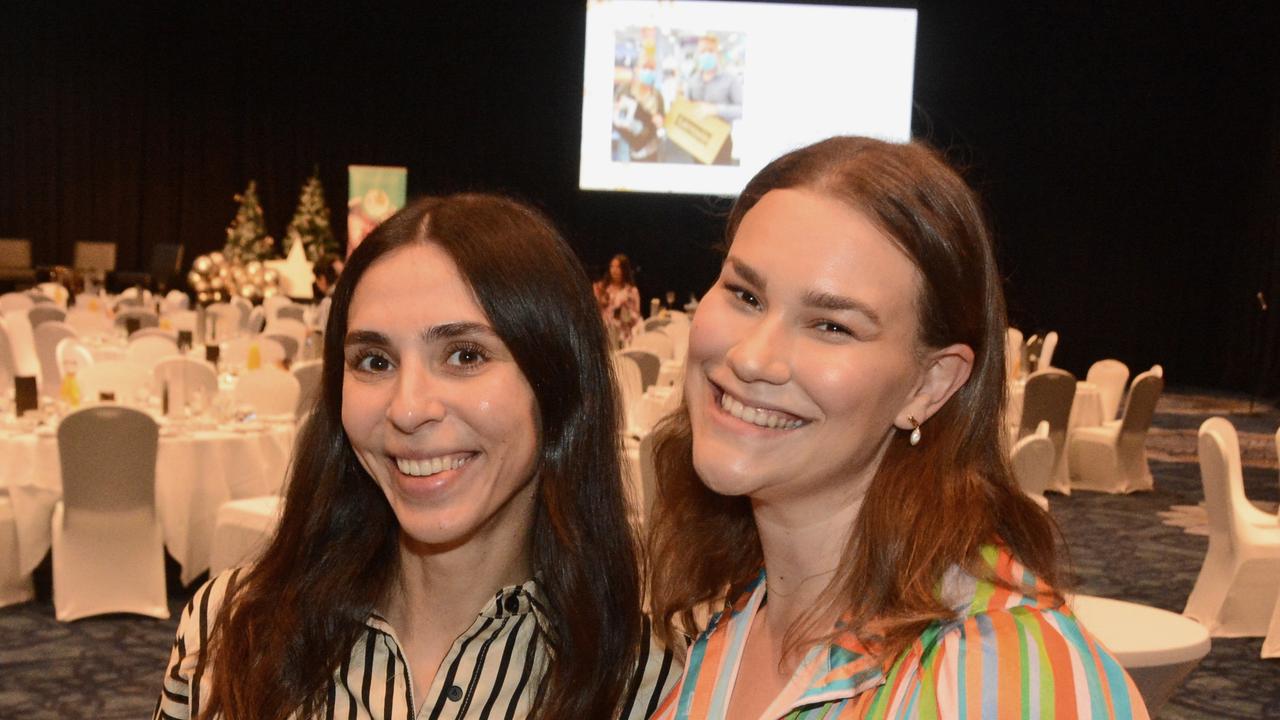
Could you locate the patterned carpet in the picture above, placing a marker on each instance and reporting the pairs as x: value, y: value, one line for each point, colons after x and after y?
x: 1120, y: 546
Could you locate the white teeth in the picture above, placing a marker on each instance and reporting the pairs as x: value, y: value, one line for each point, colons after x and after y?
x: 427, y: 468
x: 756, y: 416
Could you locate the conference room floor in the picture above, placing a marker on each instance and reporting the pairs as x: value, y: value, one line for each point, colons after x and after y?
x: 110, y: 667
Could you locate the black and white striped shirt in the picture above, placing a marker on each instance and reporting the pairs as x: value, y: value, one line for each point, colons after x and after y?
x: 492, y: 670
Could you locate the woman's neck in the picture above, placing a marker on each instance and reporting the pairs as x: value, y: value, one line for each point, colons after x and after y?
x: 802, y: 553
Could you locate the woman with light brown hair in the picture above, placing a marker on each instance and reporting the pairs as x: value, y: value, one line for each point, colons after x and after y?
x: 836, y: 480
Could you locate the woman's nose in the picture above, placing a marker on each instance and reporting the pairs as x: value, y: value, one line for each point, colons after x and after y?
x: 417, y: 399
x: 761, y: 353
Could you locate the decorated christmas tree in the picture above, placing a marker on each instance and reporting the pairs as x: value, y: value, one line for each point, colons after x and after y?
x: 247, y: 237
x: 310, y: 222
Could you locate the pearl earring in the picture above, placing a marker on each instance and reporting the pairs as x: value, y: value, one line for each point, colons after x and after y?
x: 914, y: 439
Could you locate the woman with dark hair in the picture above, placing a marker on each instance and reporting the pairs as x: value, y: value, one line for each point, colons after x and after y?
x: 453, y: 540
x: 619, y: 300
x: 836, y: 480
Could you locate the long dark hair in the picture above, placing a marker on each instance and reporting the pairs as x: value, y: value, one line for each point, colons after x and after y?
x: 929, y: 507
x: 299, y: 610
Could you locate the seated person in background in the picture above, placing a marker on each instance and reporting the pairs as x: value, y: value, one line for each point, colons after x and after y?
x: 619, y: 301
x: 454, y: 541
x: 326, y: 271
x: 836, y: 480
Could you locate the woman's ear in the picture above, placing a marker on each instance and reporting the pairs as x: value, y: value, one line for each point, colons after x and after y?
x: 945, y: 371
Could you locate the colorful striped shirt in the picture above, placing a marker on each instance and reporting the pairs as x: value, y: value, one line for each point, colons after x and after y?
x: 1005, y: 655
x: 492, y: 671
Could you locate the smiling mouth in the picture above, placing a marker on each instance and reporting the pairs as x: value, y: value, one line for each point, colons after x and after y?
x: 758, y: 416
x: 433, y: 466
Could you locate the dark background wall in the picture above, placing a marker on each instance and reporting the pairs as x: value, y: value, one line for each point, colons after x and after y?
x: 1130, y: 157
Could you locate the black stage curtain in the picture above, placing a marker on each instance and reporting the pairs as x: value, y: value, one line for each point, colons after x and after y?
x: 1128, y: 156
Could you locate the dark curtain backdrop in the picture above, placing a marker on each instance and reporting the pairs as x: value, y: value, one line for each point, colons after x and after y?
x: 1129, y: 157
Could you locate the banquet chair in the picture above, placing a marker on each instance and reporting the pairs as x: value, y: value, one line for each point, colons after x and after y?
x: 271, y: 306
x: 649, y: 365
x: 15, y: 301
x: 631, y: 390
x: 15, y: 585
x: 1158, y: 649
x: 322, y: 312
x: 1113, y: 457
x: 287, y: 342
x: 145, y: 318
x: 679, y: 335
x: 242, y: 531
x: 648, y: 490
x: 235, y: 352
x: 656, y: 342
x: 1048, y: 397
x: 243, y: 309
x: 150, y: 349
x: 1012, y: 353
x: 191, y: 382
x: 175, y: 301
x: 656, y: 323
x: 1031, y: 353
x: 47, y: 336
x: 308, y: 374
x: 222, y: 323
x: 108, y: 546
x: 295, y: 329
x: 8, y: 365
x: 1047, y: 349
x: 1032, y: 462
x: 292, y: 311
x: 256, y: 322
x: 1110, y: 376
x: 45, y: 312
x: 121, y: 378
x: 1236, y: 589
x: 71, y: 351
x: 270, y: 390
x: 88, y: 323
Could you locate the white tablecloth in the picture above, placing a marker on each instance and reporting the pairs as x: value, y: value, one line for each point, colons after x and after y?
x: 196, y: 471
x: 1086, y: 408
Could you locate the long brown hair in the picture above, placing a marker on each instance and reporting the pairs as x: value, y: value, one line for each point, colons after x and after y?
x: 929, y: 507
x: 297, y: 613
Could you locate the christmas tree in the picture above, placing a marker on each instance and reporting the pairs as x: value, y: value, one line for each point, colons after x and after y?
x: 247, y: 237
x: 310, y: 222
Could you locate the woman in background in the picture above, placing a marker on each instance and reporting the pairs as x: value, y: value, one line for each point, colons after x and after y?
x: 454, y: 541
x: 837, y: 481
x: 619, y: 300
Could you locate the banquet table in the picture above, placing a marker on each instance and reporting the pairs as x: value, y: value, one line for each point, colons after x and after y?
x: 199, y: 466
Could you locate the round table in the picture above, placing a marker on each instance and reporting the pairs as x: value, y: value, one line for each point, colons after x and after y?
x: 198, y: 467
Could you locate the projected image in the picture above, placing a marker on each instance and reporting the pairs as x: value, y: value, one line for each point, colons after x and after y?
x: 677, y: 95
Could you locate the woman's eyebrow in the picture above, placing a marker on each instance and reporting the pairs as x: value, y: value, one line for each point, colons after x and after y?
x: 448, y: 331
x: 364, y: 337
x: 831, y: 301
x: 746, y: 272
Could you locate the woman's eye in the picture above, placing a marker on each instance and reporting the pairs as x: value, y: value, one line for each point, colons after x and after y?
x: 744, y: 295
x: 826, y: 326
x: 372, y: 362
x: 467, y: 356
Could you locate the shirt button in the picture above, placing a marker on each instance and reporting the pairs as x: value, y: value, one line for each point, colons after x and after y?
x: 455, y: 693
x: 512, y: 603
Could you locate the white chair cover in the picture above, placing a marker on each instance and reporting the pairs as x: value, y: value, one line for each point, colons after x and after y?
x: 631, y: 390
x: 108, y: 546
x: 270, y: 390
x: 650, y: 365
x: 656, y: 342
x: 15, y: 585
x: 1047, y: 349
x: 1113, y: 458
x: 22, y: 343
x: 122, y: 378
x: 89, y: 323
x: 150, y: 349
x: 1049, y: 395
x: 244, y: 308
x: 256, y: 321
x: 46, y: 312
x: 8, y: 364
x: 1032, y: 461
x: 322, y: 312
x: 1013, y: 353
x: 1236, y: 590
x: 222, y: 323
x: 15, y: 301
x: 1110, y: 376
x: 185, y: 376
x: 243, y: 530
x: 287, y: 342
x: 175, y: 301
x: 71, y: 350
x: 1156, y: 647
x: 235, y: 352
x: 47, y: 336
x: 271, y: 305
x: 308, y: 375
x: 295, y: 329
x: 145, y: 318
x: 292, y: 311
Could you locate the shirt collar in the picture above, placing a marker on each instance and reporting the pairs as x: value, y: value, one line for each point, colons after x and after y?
x: 510, y: 601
